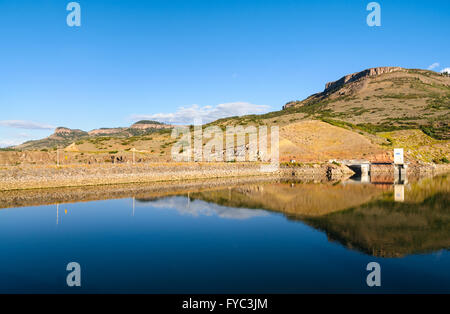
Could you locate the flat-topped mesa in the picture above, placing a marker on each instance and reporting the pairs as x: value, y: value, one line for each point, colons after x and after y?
x: 62, y: 130
x: 66, y: 131
x: 148, y: 124
x: 106, y: 131
x: 332, y: 86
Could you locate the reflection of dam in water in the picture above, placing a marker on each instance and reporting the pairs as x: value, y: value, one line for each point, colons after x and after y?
x: 382, y: 174
x: 383, y: 181
x: 382, y: 170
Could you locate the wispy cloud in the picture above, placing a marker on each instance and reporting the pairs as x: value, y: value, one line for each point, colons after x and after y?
x: 433, y: 66
x: 187, y: 115
x: 13, y: 138
x: 22, y: 124
x: 9, y: 142
x: 445, y: 70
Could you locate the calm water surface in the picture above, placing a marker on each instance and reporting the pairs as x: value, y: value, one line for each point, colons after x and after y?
x: 262, y: 238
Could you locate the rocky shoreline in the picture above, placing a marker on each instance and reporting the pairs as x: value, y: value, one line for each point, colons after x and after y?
x: 38, y: 177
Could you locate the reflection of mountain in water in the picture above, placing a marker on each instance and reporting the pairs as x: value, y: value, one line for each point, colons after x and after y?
x: 359, y: 216
x: 293, y: 199
x: 385, y: 228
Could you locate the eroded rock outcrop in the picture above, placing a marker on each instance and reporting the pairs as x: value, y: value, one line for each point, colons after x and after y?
x: 331, y: 86
x: 347, y: 85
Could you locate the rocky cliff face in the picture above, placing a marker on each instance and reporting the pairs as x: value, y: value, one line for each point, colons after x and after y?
x: 62, y: 130
x: 331, y: 86
x: 346, y: 85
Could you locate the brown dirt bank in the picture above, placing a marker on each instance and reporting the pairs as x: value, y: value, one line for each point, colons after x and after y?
x: 38, y: 177
x: 37, y: 197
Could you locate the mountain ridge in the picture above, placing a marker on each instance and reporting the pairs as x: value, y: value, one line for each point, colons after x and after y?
x: 379, y: 99
x: 383, y: 99
x: 64, y: 136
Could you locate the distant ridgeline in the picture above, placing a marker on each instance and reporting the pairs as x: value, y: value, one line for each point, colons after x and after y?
x: 63, y: 136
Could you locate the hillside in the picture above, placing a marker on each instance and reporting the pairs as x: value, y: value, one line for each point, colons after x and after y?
x: 361, y: 115
x: 311, y: 140
x: 63, y: 137
x: 384, y: 99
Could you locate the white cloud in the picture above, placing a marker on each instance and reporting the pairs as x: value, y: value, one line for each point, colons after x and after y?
x: 198, y: 208
x: 22, y: 124
x: 433, y: 66
x: 16, y: 137
x: 445, y: 70
x: 187, y: 115
x: 10, y: 142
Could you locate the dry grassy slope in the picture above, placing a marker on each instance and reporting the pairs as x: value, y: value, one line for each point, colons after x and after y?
x: 399, y: 99
x: 320, y: 141
x: 390, y: 107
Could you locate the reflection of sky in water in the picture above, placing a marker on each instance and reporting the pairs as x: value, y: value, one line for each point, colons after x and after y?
x: 197, y: 208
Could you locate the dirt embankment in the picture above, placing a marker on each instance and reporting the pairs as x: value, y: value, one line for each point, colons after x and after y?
x: 32, y: 177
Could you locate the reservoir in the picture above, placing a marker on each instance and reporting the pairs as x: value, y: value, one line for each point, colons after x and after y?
x: 264, y: 237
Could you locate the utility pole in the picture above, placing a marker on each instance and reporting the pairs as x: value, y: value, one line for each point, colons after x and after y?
x: 188, y: 200
x: 57, y: 156
x: 134, y: 155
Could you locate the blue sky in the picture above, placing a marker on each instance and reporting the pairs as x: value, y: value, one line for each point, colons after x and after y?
x: 135, y: 59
